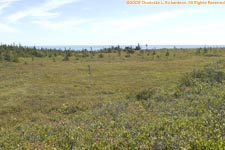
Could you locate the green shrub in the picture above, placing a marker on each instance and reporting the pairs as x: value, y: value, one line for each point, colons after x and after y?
x: 66, y: 58
x: 101, y: 55
x: 144, y: 94
x: 207, y: 75
x: 69, y: 109
x: 127, y: 55
x: 167, y: 53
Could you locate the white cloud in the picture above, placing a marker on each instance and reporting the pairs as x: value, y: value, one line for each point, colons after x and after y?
x: 110, y: 30
x: 144, y: 28
x: 135, y: 22
x: 44, y: 10
x: 54, y: 4
x: 5, y: 3
x: 64, y: 25
x: 35, y: 12
x: 5, y: 28
x: 206, y: 33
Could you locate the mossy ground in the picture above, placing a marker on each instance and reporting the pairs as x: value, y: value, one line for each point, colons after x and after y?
x: 91, y: 102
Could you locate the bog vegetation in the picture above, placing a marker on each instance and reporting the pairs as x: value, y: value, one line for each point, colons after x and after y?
x: 112, y: 99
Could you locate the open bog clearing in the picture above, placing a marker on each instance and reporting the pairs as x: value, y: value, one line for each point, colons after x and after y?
x: 163, y: 99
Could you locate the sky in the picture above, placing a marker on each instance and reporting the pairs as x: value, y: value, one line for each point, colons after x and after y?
x: 109, y: 22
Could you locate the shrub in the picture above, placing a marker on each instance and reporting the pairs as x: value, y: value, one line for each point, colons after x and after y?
x: 153, y: 53
x: 144, y: 94
x: 207, y: 75
x: 101, y: 55
x: 69, y: 109
x: 130, y: 51
x: 15, y: 59
x: 7, y: 57
x: 127, y: 55
x: 66, y: 58
x: 167, y: 53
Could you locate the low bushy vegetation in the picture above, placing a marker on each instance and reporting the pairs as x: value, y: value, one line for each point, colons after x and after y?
x: 117, y: 102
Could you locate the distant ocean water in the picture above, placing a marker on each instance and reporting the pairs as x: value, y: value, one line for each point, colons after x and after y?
x: 99, y: 47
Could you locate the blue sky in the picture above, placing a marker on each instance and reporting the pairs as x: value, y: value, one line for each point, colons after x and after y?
x: 105, y: 22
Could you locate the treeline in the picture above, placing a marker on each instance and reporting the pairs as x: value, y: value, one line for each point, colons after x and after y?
x: 12, y: 53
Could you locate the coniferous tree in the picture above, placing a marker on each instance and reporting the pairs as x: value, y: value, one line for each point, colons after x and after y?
x: 138, y: 47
